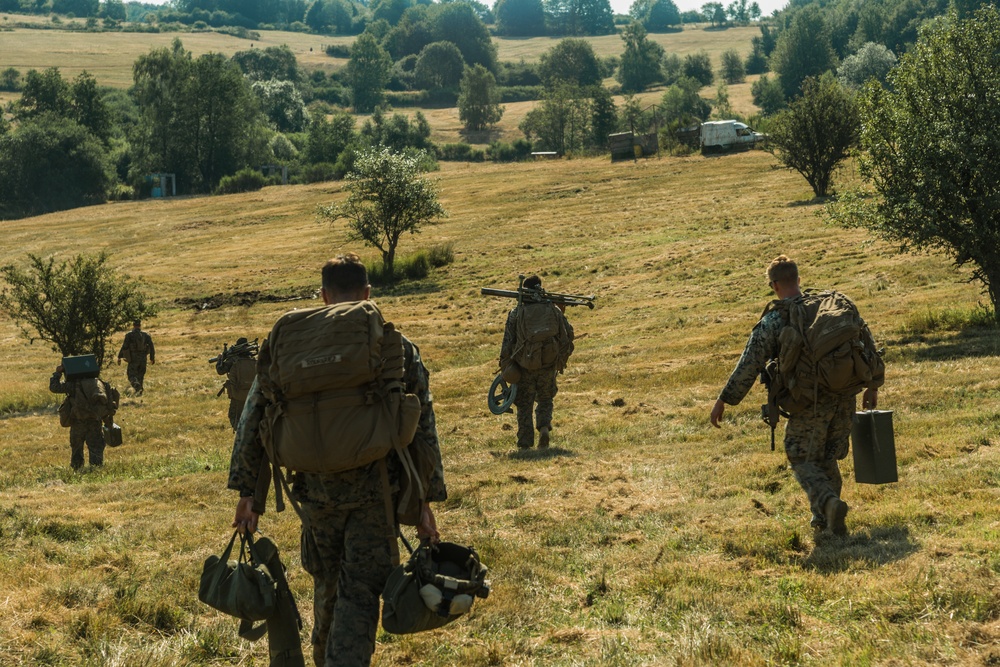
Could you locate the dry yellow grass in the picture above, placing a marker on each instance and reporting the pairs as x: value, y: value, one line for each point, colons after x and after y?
x: 644, y: 537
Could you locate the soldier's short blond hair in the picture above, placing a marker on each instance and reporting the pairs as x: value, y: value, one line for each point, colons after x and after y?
x: 783, y: 270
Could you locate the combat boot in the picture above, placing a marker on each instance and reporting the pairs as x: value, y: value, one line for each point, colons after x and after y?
x: 836, y: 512
x: 543, y: 437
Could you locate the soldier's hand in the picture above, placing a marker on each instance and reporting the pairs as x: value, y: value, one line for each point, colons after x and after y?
x: 717, y: 410
x: 119, y: 361
x: 59, y: 369
x: 870, y: 399
x: 246, y: 518
x: 427, y: 528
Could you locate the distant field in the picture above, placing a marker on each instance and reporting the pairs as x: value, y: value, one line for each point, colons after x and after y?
x: 109, y: 56
x: 690, y: 40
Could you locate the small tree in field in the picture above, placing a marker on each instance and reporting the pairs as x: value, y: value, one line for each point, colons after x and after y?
x: 479, y: 100
x: 76, y: 305
x: 387, y: 199
x: 814, y: 134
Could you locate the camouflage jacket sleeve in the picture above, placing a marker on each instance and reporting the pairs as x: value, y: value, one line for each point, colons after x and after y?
x: 509, y: 338
x: 56, y: 385
x: 149, y: 343
x: 248, y: 451
x: 762, y: 347
x: 425, y: 448
x: 224, y: 365
x: 869, y: 342
x: 121, y: 352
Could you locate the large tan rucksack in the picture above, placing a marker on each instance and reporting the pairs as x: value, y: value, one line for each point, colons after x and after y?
x: 241, y: 377
x: 333, y: 377
x: 825, y: 348
x: 541, y: 336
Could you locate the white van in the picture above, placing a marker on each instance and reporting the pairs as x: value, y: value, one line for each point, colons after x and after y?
x: 726, y: 134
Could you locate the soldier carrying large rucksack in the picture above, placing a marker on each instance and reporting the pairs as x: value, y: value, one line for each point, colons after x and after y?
x: 817, y: 355
x: 537, y: 342
x: 88, y: 411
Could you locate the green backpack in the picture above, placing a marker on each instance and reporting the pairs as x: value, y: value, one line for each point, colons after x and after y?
x: 824, y: 348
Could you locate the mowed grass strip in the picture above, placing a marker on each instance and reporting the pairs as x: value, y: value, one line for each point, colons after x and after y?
x: 643, y: 537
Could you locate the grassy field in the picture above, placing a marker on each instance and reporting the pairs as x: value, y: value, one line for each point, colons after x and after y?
x: 642, y: 537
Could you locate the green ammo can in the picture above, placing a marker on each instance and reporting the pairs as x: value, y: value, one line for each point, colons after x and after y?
x: 874, y: 447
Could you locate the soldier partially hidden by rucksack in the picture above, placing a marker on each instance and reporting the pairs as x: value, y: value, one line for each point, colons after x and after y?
x: 537, y: 342
x: 137, y: 346
x: 88, y: 410
x: 239, y: 364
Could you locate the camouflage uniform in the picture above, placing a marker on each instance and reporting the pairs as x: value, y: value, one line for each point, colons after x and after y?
x: 345, y: 544
x: 138, y: 345
x: 237, y: 395
x: 535, y: 387
x: 89, y: 432
x: 815, y: 438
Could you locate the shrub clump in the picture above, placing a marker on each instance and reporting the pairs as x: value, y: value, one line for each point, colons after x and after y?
x: 245, y: 180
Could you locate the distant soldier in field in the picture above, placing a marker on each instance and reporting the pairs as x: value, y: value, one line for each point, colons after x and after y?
x: 240, y: 367
x: 538, y: 339
x: 88, y: 403
x: 819, y: 415
x: 137, y: 346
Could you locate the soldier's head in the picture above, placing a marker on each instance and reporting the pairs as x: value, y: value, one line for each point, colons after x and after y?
x: 136, y: 324
x: 345, y: 279
x: 783, y: 276
x: 532, y: 282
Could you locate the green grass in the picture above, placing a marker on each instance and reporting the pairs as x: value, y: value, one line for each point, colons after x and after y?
x: 643, y: 537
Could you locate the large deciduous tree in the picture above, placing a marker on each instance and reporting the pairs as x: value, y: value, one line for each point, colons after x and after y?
x: 572, y: 61
x: 387, y: 198
x: 640, y: 62
x: 200, y: 119
x: 51, y: 163
x: 75, y: 305
x: 872, y: 61
x: 803, y: 50
x: 816, y: 132
x: 479, y: 100
x: 520, y: 18
x: 368, y: 72
x: 930, y: 147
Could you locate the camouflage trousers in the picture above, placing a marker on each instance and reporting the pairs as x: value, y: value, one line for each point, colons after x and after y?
x: 535, y: 387
x: 136, y: 374
x: 814, y: 441
x: 91, y: 435
x: 347, y: 553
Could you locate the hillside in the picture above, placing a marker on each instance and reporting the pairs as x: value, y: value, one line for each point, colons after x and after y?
x: 643, y: 537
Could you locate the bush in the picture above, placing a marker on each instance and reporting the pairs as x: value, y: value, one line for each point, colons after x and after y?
x: 247, y: 179
x: 461, y: 152
x: 412, y: 267
x: 338, y: 50
x: 316, y: 173
x: 520, y: 93
x: 500, y: 151
x: 441, y: 255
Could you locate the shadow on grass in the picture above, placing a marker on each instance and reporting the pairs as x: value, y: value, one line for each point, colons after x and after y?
x: 971, y: 342
x: 533, y: 454
x: 406, y: 288
x: 879, y: 546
